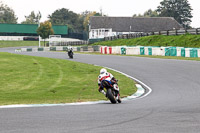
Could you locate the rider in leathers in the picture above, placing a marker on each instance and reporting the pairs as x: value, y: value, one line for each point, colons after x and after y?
x: 104, y: 75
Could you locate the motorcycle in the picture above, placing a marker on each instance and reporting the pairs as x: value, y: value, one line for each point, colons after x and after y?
x: 70, y: 54
x: 112, y: 91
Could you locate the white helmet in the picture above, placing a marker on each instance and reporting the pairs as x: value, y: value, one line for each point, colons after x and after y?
x: 103, y: 70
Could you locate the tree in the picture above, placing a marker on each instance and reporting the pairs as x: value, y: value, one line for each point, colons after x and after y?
x: 179, y: 9
x: 66, y: 17
x: 44, y: 30
x: 32, y: 18
x: 148, y: 13
x: 7, y: 15
x: 86, y: 19
x: 86, y: 16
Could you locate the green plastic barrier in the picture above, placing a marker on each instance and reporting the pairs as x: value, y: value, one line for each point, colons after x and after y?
x: 182, y: 52
x: 167, y: 52
x: 150, y: 51
x: 29, y: 49
x: 65, y: 49
x: 96, y: 48
x: 40, y: 49
x: 173, y: 51
x: 85, y: 48
x: 52, y: 48
x: 193, y: 52
x: 123, y: 51
x: 79, y: 49
x: 141, y: 50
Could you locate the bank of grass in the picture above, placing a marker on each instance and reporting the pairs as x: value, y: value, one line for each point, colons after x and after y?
x: 157, y: 40
x: 37, y: 80
x: 19, y: 43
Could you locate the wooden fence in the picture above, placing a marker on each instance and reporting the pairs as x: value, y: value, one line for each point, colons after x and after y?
x: 168, y: 33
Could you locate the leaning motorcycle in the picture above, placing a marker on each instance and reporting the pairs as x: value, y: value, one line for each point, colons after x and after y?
x: 111, y: 92
x: 70, y: 54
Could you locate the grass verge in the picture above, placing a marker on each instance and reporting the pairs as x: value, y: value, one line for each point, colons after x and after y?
x: 36, y: 80
x: 157, y: 40
x: 19, y: 43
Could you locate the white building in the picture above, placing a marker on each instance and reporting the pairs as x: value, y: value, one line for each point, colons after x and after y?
x: 101, y: 27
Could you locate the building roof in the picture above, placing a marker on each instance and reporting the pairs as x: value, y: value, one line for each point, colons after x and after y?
x: 30, y: 28
x: 134, y: 24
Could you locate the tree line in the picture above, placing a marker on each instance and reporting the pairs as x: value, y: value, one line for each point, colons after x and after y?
x: 179, y: 9
x: 75, y: 22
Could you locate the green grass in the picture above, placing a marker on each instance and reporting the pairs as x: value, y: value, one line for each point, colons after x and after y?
x: 36, y: 80
x: 157, y: 40
x: 19, y: 43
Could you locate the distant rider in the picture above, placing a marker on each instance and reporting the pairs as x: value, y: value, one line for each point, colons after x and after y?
x: 104, y: 75
x: 70, y: 50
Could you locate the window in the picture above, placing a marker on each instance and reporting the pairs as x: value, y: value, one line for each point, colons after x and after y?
x: 92, y: 33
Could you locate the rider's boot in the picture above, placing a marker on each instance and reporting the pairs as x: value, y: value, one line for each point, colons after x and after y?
x: 103, y: 92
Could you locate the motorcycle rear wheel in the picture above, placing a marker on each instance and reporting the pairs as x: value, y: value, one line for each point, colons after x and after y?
x: 110, y: 96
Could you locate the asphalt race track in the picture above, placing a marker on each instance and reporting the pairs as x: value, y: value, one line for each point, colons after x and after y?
x: 173, y: 106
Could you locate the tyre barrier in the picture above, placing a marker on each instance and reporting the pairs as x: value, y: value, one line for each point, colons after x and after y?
x: 155, y: 51
x: 60, y: 48
x: 125, y: 50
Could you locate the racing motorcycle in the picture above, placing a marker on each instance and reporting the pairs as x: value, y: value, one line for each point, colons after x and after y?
x: 70, y: 53
x: 112, y: 91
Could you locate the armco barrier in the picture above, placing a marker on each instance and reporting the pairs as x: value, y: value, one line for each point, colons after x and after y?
x: 23, y: 49
x: 59, y: 48
x: 116, y: 50
x: 40, y: 49
x: 110, y: 50
x: 149, y: 51
x: 133, y: 50
x: 29, y: 49
x: 142, y: 50
x: 79, y: 49
x: 90, y: 49
x: 96, y: 48
x: 105, y: 50
x: 36, y: 49
x: 198, y: 52
x: 65, y: 48
x: 74, y: 48
x: 156, y: 51
x: 123, y: 50
x: 46, y: 49
x: 52, y: 48
x: 182, y: 52
x: 128, y: 50
x: 178, y: 51
x: 173, y: 51
x: 193, y: 52
x: 187, y: 52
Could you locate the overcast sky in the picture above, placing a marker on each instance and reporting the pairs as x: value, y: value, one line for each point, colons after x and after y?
x: 110, y: 7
